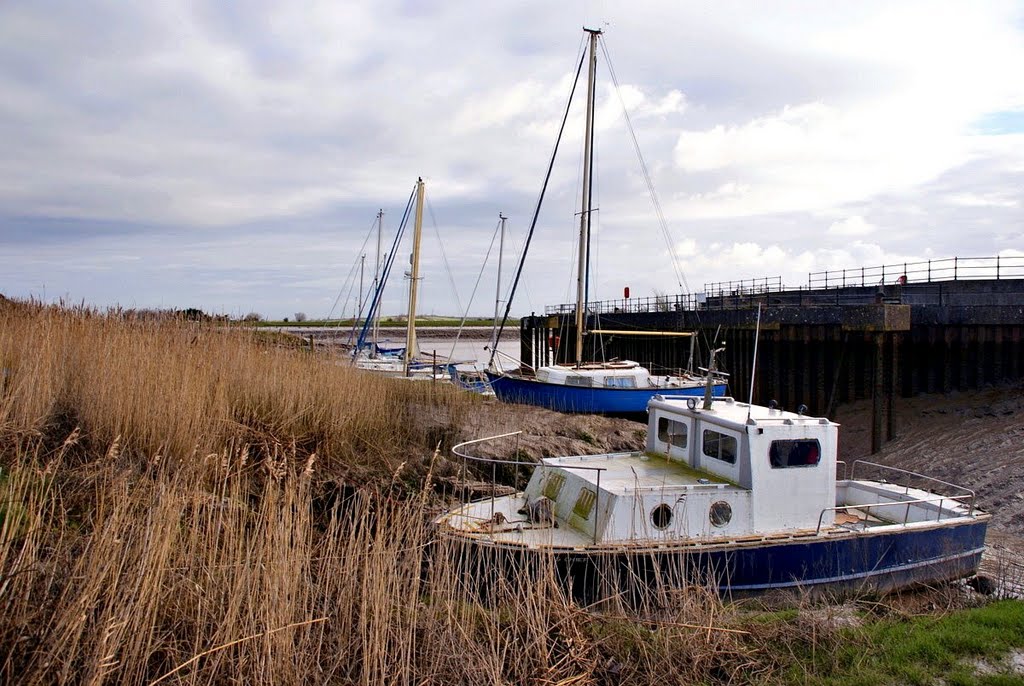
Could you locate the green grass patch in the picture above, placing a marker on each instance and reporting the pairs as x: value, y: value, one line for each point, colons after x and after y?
x: 924, y: 650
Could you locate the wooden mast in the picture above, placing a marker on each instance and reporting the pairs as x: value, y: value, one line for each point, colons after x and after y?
x: 588, y: 160
x: 414, y: 276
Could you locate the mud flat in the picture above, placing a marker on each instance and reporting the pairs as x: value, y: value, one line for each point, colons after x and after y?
x: 974, y: 439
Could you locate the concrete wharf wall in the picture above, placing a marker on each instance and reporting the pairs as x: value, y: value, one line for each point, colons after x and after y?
x: 822, y: 347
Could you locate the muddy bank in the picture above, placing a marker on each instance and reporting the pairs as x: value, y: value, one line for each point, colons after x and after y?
x: 974, y: 439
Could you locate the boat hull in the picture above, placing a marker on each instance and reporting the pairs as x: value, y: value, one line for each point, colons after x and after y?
x: 842, y: 565
x: 581, y: 399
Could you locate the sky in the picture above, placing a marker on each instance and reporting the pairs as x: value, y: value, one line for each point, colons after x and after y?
x: 233, y: 156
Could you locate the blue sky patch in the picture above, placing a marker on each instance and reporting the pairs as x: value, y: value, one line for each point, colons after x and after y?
x: 999, y: 123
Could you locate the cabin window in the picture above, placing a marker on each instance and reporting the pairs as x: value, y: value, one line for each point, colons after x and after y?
x: 619, y: 382
x: 720, y: 446
x: 796, y: 453
x: 578, y: 380
x: 553, y: 485
x: 585, y: 503
x: 661, y: 516
x: 672, y: 432
x: 720, y: 513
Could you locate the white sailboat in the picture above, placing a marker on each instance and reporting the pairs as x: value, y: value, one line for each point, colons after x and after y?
x: 406, y: 363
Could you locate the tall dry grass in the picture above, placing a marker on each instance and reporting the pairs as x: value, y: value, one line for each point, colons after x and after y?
x: 176, y: 390
x: 224, y: 575
x: 165, y: 518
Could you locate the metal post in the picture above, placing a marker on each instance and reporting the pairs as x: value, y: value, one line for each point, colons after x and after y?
x: 597, y: 505
x: 877, y: 394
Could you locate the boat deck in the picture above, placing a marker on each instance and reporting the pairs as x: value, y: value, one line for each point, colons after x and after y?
x: 628, y: 472
x: 498, y: 521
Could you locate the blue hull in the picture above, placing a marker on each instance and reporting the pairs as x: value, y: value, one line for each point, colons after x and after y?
x: 857, y: 563
x: 474, y: 380
x: 581, y: 399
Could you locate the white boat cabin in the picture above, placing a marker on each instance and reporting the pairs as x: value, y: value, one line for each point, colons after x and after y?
x: 616, y: 374
x: 730, y: 471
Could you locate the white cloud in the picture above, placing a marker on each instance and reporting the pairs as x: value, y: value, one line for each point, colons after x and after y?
x: 851, y: 226
x: 220, y: 138
x: 987, y: 200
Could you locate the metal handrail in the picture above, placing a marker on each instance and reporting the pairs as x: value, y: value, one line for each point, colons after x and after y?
x: 930, y: 271
x: 755, y: 286
x: 456, y: 450
x: 867, y: 507
x: 732, y: 294
x: 906, y: 487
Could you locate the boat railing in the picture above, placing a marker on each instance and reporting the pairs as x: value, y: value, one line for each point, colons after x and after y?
x: 866, y: 508
x: 459, y: 451
x: 964, y: 492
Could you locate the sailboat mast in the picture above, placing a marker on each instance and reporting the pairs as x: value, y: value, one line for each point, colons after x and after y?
x: 360, y: 303
x: 588, y: 152
x: 414, y: 276
x: 376, y: 280
x: 497, y: 290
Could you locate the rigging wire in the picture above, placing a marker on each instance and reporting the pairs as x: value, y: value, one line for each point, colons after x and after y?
x: 346, y: 285
x: 666, y: 234
x: 388, y: 262
x: 472, y: 295
x: 444, y: 257
x: 663, y: 224
x: 536, y: 213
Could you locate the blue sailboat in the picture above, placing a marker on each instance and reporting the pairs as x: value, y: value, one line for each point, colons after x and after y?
x: 609, y: 387
x: 616, y: 387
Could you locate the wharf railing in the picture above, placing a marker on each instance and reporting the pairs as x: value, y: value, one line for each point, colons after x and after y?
x: 928, y: 271
x: 765, y: 284
x: 655, y: 303
x: 823, y: 287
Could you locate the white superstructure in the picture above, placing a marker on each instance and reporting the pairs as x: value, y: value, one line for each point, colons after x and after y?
x: 732, y: 470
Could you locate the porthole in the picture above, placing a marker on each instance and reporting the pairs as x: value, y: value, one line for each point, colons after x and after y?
x: 661, y: 516
x: 720, y: 513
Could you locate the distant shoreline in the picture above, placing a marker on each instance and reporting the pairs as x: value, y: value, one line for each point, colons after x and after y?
x: 474, y: 333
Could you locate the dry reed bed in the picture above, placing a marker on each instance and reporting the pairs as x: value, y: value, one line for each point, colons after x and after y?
x: 176, y: 390
x: 164, y: 521
x: 222, y: 574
